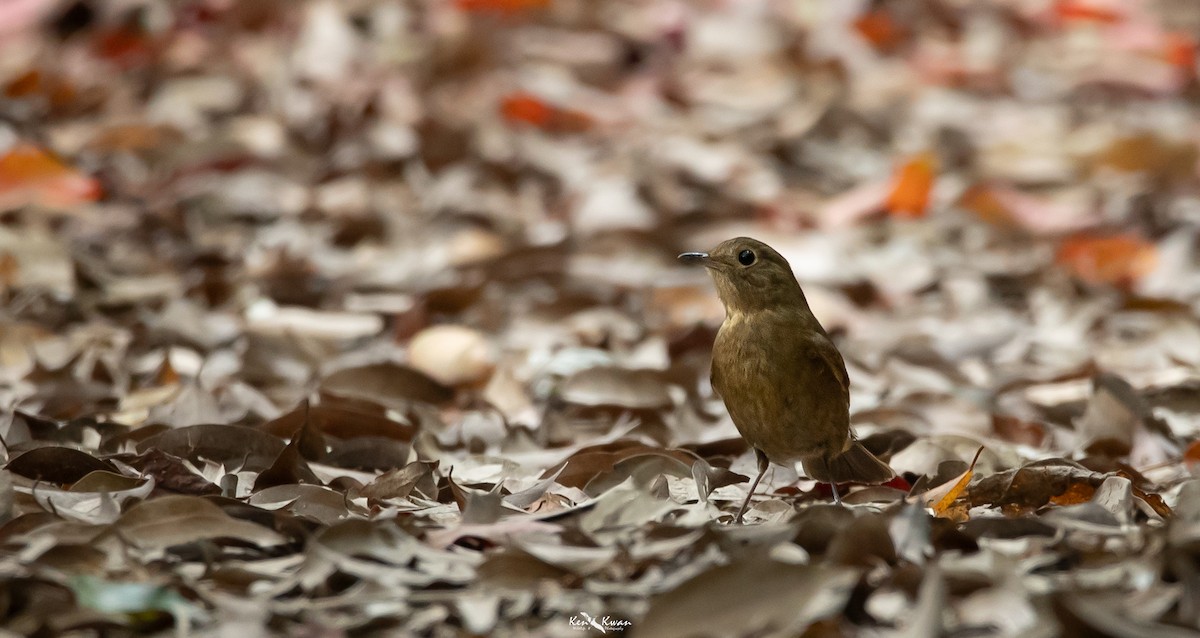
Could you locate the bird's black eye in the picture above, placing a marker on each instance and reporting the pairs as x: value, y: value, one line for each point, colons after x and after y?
x: 746, y: 257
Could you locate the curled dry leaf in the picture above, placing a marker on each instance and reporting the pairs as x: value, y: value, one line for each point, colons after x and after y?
x: 96, y: 499
x: 418, y: 476
x: 941, y: 498
x: 313, y: 502
x: 1112, y: 416
x: 288, y: 468
x: 1057, y: 481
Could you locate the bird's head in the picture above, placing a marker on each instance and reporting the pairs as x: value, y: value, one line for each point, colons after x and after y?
x: 750, y: 275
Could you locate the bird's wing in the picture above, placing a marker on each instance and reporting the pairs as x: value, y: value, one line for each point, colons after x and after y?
x: 823, y: 349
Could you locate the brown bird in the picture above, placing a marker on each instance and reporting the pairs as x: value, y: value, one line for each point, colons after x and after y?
x: 782, y: 379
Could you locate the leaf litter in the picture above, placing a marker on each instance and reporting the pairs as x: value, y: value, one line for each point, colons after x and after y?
x: 364, y: 319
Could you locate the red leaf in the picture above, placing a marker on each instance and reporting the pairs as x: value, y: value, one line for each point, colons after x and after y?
x: 500, y: 6
x: 127, y: 47
x: 899, y: 482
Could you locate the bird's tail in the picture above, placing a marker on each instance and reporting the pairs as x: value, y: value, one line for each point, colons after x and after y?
x: 855, y: 465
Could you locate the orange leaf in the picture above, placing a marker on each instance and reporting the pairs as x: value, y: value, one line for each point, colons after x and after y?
x: 1076, y: 493
x: 1085, y: 11
x: 10, y: 271
x: 24, y: 85
x: 1192, y: 455
x: 29, y: 175
x: 911, y: 186
x: 1179, y: 50
x: 943, y: 496
x: 982, y: 200
x: 1115, y: 259
x: 526, y: 108
x: 58, y: 90
x: 878, y: 28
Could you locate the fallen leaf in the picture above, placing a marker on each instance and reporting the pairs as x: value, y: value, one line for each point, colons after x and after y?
x: 912, y: 183
x: 878, y: 27
x: 57, y: 464
x: 940, y: 498
x: 31, y: 176
x: 608, y: 386
x: 1118, y: 260
x: 507, y: 7
x: 232, y: 445
x: 753, y: 595
x: 528, y: 109
x: 391, y: 384
x: 166, y: 521
x: 1086, y: 11
x: 1036, y: 484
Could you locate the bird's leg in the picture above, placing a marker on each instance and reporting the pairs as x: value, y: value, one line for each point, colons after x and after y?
x: 763, y: 464
x: 837, y: 500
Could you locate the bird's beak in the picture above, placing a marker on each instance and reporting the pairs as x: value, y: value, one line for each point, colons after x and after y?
x: 696, y: 258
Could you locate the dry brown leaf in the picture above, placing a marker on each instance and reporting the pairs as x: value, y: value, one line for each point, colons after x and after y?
x: 176, y: 520
x: 751, y: 595
x: 232, y: 445
x: 389, y: 384
x: 57, y: 464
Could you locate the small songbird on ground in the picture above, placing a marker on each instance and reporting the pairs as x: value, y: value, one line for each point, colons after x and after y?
x: 782, y: 379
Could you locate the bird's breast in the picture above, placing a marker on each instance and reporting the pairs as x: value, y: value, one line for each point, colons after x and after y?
x: 781, y: 397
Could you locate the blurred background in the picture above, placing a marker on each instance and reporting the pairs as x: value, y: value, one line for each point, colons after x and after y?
x: 1007, y: 189
x: 443, y: 234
